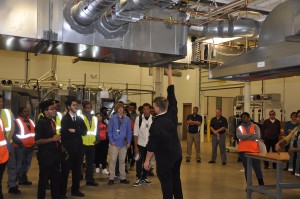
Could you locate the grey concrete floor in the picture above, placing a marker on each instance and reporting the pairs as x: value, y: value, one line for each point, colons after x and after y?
x: 203, y: 181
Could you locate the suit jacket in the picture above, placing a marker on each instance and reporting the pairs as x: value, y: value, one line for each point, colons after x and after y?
x: 72, y: 142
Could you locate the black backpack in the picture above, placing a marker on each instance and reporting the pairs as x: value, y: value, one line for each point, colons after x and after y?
x: 140, y: 121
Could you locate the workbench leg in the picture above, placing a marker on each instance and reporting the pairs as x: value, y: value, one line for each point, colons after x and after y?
x: 249, y: 177
x: 279, y: 180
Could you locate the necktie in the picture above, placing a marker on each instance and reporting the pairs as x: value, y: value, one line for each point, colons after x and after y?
x: 74, y: 119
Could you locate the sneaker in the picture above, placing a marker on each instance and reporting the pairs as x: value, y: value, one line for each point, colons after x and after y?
x: 14, y: 190
x: 105, y: 172
x: 137, y: 183
x: 146, y: 181
x: 111, y: 182
x: 212, y: 162
x: 124, y: 181
x: 97, y: 170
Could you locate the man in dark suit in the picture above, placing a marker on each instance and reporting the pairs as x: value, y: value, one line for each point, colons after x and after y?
x: 72, y: 128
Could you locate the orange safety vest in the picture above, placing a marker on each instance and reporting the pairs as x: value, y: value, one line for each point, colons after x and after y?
x: 4, y: 154
x: 25, y: 135
x: 248, y: 146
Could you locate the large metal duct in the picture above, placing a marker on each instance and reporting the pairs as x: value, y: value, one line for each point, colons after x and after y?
x: 278, y: 53
x: 86, y: 12
x: 81, y: 15
x: 114, y: 22
x: 48, y: 27
x: 226, y: 28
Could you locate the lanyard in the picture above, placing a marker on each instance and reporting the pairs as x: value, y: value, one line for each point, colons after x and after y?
x: 120, y: 122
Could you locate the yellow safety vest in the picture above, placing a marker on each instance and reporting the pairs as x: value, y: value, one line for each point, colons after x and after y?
x: 6, y: 116
x: 90, y: 137
x: 58, y: 122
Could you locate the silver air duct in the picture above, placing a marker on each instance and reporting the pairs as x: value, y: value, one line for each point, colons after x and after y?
x: 278, y: 54
x: 226, y: 28
x: 86, y: 12
x: 114, y: 22
x: 83, y: 14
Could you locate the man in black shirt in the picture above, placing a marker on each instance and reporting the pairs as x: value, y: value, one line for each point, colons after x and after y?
x: 49, y: 154
x: 72, y: 128
x: 165, y: 144
x: 194, y: 122
x: 218, y: 126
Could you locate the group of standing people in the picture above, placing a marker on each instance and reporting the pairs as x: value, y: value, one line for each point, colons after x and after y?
x: 63, y: 140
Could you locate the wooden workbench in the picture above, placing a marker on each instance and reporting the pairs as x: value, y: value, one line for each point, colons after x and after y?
x: 278, y: 158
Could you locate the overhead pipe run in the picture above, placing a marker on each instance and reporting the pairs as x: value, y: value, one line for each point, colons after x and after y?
x: 82, y: 15
x: 86, y: 12
x: 114, y: 22
x: 226, y: 28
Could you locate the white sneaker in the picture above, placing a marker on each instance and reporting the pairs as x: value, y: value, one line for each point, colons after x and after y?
x: 137, y: 183
x: 97, y: 170
x: 145, y: 181
x: 104, y: 171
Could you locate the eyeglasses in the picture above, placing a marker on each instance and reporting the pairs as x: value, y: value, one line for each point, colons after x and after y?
x: 50, y: 109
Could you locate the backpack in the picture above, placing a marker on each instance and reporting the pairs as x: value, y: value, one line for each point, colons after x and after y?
x: 140, y: 121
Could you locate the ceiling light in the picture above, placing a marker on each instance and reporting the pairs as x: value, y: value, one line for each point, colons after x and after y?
x: 187, y: 76
x: 218, y: 40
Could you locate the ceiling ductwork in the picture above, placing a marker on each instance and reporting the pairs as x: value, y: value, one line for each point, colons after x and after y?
x: 226, y: 28
x: 278, y: 53
x: 82, y: 14
x: 72, y: 28
x: 114, y: 22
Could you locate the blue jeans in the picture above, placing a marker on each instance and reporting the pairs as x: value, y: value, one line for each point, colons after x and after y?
x: 255, y: 164
x: 23, y: 160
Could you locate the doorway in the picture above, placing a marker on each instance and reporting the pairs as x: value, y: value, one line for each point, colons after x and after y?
x: 187, y: 110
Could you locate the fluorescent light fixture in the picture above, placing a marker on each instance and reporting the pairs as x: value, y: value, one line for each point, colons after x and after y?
x: 187, y: 76
x: 218, y: 40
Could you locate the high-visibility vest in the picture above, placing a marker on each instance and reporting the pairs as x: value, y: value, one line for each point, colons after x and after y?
x: 25, y: 135
x: 58, y: 122
x: 90, y: 137
x: 4, y: 154
x: 6, y: 115
x: 248, y: 146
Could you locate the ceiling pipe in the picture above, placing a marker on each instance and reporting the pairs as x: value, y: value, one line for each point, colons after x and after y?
x: 86, y: 12
x: 226, y: 28
x: 114, y: 22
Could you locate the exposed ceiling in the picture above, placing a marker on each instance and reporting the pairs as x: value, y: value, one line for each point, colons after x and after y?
x: 277, y: 54
x: 122, y: 33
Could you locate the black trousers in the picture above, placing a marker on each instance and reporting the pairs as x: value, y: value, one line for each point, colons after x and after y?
x: 2, y: 169
x: 169, y: 178
x: 101, y: 151
x: 89, y: 152
x: 73, y: 163
x: 141, y: 173
x: 130, y: 154
x: 270, y: 144
x: 49, y: 166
